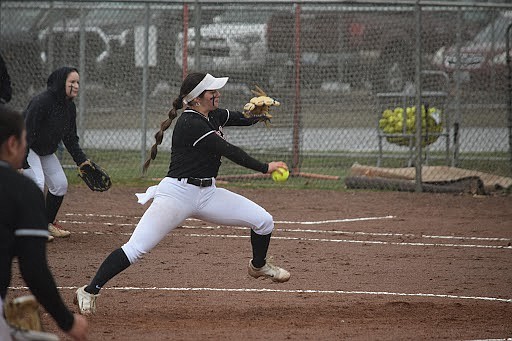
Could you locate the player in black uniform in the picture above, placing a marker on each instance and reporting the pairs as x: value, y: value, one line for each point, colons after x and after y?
x: 24, y: 230
x: 189, y: 189
x: 51, y: 117
x: 5, y: 83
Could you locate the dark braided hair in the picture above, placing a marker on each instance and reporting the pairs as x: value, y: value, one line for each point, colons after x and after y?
x: 189, y: 83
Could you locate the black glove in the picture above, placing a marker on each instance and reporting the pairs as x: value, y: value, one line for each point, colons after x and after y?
x: 94, y: 176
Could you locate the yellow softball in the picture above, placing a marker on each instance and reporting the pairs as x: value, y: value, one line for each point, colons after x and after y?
x: 278, y: 177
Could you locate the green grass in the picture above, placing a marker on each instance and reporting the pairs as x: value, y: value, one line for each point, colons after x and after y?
x: 125, y: 167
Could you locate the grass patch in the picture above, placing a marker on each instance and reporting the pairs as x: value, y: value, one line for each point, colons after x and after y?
x: 125, y: 167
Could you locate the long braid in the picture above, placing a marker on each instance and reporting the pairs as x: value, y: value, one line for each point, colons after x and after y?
x: 159, y: 135
x: 189, y: 83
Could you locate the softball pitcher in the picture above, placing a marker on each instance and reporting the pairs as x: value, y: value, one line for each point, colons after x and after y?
x: 189, y: 191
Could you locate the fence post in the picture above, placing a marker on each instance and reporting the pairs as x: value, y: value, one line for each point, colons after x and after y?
x: 456, y: 121
x: 185, y: 42
x: 197, y: 36
x: 145, y: 69
x: 83, y: 75
x: 297, y: 106
x: 418, y: 163
x: 507, y: 42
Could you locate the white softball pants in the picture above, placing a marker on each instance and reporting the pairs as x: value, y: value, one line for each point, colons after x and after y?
x: 47, y: 169
x: 175, y: 200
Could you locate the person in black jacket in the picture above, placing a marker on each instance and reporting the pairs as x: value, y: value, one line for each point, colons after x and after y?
x: 5, y: 83
x: 51, y: 117
x: 23, y: 231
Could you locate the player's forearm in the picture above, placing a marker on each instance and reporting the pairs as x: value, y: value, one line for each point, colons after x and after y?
x: 236, y: 118
x: 74, y: 149
x: 37, y: 276
x: 215, y: 144
x: 241, y: 158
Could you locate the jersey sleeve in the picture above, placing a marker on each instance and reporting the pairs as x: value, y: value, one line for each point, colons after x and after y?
x: 32, y: 219
x: 216, y: 144
x: 31, y: 233
x: 31, y: 253
x: 233, y: 118
x: 34, y: 114
x: 71, y: 138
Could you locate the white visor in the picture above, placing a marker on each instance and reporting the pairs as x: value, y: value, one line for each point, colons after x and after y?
x: 208, y: 83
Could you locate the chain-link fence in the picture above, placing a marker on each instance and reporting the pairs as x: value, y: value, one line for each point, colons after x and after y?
x: 349, y: 76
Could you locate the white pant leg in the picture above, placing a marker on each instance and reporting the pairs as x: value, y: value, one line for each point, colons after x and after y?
x: 172, y: 204
x: 54, y: 175
x: 35, y: 172
x: 47, y: 169
x: 227, y: 208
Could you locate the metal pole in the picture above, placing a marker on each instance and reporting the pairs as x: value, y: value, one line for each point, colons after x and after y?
x: 509, y: 61
x: 145, y: 87
x: 456, y: 121
x: 493, y: 51
x: 185, y: 42
x: 197, y: 37
x: 418, y: 187
x: 296, y: 112
x: 51, y: 45
x: 83, y: 74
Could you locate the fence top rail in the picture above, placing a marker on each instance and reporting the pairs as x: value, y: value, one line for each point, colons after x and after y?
x: 440, y: 3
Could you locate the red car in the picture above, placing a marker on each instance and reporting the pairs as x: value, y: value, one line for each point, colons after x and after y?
x: 482, y: 60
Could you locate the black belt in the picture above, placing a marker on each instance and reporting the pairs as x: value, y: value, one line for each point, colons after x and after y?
x: 199, y: 182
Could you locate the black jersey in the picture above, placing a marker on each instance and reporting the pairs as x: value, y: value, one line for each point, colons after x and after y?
x: 24, y: 234
x: 198, y: 144
x: 5, y: 83
x: 51, y: 117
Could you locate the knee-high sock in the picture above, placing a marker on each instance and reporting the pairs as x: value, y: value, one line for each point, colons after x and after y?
x: 259, y: 248
x: 115, y: 263
x: 53, y: 203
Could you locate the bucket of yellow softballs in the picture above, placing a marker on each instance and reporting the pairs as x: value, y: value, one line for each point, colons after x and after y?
x: 399, y: 125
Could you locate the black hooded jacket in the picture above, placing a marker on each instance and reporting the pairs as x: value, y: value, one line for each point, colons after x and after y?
x: 5, y: 83
x: 51, y: 117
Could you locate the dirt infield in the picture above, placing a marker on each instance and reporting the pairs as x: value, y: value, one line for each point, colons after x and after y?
x: 365, y: 266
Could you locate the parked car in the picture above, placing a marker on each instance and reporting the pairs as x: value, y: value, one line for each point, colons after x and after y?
x: 481, y: 61
x: 370, y: 46
x: 20, y: 49
x: 231, y: 45
x: 109, y: 45
x: 122, y: 66
x: 60, y: 45
x: 37, y: 39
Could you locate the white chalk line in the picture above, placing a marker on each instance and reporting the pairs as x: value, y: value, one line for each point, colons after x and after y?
x: 379, y: 234
x: 298, y: 291
x: 353, y: 233
x: 320, y: 240
x: 359, y: 241
x: 507, y: 339
x: 345, y: 220
x: 101, y: 215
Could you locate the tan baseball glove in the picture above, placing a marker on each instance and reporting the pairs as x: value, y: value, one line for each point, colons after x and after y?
x: 23, y: 313
x: 24, y: 319
x: 259, y: 106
